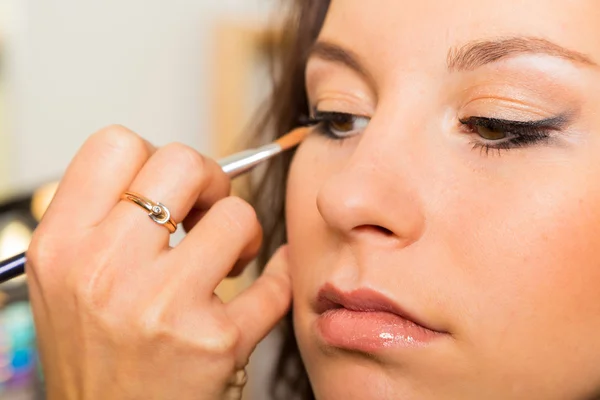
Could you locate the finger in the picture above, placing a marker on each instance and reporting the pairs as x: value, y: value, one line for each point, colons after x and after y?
x: 193, y: 217
x: 229, y: 231
x: 103, y: 168
x: 178, y: 177
x: 257, y: 310
x: 247, y: 255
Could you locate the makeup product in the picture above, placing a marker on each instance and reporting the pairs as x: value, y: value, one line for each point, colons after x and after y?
x: 233, y: 166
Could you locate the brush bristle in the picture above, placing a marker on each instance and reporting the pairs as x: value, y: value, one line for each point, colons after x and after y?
x: 293, y: 138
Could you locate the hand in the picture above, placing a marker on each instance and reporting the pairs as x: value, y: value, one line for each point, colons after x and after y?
x: 121, y: 315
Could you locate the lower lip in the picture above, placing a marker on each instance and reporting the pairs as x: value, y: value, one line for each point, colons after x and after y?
x: 369, y: 331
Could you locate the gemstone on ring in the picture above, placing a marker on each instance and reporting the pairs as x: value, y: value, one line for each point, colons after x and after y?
x: 162, y: 216
x: 156, y: 210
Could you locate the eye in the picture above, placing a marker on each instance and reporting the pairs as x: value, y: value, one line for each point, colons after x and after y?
x: 344, y: 123
x: 500, y: 134
x: 490, y: 133
x: 338, y: 125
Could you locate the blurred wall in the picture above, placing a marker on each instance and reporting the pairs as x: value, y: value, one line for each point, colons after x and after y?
x: 4, y: 144
x: 73, y: 66
x: 7, y: 19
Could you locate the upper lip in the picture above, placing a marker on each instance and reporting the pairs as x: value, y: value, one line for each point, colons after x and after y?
x: 365, y: 300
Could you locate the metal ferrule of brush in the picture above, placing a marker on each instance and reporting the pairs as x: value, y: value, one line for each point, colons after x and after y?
x: 246, y: 160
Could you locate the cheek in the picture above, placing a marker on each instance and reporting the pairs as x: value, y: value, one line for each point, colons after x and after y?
x: 528, y: 261
x: 303, y: 222
x: 316, y: 160
x: 305, y: 236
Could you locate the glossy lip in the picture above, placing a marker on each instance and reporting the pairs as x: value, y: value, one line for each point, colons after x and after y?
x: 366, y: 321
x: 364, y: 300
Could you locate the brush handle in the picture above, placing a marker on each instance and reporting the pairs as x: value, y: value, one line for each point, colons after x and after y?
x: 244, y: 161
x: 233, y: 166
x: 12, y: 267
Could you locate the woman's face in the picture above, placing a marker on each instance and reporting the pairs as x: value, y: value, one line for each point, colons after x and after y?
x: 463, y: 195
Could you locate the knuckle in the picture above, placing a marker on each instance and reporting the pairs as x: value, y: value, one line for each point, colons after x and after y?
x: 240, y: 215
x: 222, y: 342
x: 117, y: 138
x: 151, y: 326
x: 42, y: 250
x: 188, y: 159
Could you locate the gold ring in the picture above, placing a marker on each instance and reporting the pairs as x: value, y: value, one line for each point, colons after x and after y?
x: 157, y: 212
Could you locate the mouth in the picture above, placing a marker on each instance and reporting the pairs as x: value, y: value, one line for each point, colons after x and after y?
x: 366, y: 321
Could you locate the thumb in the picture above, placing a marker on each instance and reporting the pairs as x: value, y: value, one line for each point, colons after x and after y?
x: 259, y: 308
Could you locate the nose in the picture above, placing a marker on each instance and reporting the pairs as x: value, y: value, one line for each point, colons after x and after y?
x: 374, y: 195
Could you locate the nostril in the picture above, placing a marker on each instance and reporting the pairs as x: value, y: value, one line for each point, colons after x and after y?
x: 375, y: 229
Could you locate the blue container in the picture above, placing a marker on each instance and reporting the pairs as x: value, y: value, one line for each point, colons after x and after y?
x: 18, y: 355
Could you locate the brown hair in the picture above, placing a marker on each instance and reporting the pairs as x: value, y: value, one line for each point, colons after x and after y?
x: 287, y: 105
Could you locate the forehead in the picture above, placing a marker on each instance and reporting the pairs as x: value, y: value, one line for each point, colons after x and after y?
x: 417, y: 34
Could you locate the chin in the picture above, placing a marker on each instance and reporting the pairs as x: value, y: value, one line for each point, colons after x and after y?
x: 343, y: 379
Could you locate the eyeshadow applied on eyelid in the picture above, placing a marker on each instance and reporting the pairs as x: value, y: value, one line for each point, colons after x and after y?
x: 554, y: 123
x: 499, y: 134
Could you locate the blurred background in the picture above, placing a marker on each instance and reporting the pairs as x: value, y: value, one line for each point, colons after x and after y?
x: 191, y: 71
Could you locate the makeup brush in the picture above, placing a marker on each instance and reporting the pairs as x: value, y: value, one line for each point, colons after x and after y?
x: 234, y: 165
x: 244, y: 161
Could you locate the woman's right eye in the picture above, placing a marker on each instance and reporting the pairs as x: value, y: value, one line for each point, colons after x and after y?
x: 338, y: 125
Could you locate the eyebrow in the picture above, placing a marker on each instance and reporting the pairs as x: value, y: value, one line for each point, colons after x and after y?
x: 478, y: 53
x: 467, y: 57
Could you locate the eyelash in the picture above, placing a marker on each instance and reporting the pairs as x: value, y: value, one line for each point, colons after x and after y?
x: 324, y: 122
x: 519, y: 134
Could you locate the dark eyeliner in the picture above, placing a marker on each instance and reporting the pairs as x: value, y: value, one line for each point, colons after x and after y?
x: 524, y: 133
x: 323, y: 121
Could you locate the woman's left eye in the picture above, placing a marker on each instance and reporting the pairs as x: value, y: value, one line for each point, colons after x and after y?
x: 490, y: 133
x: 338, y: 125
x: 500, y: 134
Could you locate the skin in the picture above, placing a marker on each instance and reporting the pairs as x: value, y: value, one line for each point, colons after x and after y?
x: 121, y: 315
x: 498, y: 248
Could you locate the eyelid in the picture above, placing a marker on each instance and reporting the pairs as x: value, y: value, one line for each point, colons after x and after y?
x: 512, y: 98
x: 554, y: 123
x: 332, y: 115
x: 333, y: 81
x: 330, y: 110
x: 343, y: 104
